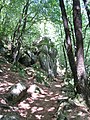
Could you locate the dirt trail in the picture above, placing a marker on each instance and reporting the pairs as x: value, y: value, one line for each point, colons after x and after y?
x: 45, y: 105
x: 39, y: 104
x: 42, y: 104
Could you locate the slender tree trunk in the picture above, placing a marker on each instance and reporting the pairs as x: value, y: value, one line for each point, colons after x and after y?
x: 18, y: 32
x: 78, y: 68
x: 81, y: 73
x: 69, y: 45
x: 77, y: 20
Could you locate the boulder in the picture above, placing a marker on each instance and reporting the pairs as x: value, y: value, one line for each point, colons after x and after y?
x: 16, y: 93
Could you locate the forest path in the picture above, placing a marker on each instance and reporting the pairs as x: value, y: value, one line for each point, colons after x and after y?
x: 41, y: 102
x: 44, y: 105
x: 38, y: 104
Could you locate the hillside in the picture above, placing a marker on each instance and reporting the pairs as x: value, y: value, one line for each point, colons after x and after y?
x: 39, y: 102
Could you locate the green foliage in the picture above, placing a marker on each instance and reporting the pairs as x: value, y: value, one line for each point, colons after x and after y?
x: 62, y: 115
x: 43, y: 19
x: 41, y: 76
x: 3, y: 61
x: 19, y: 69
x: 69, y: 85
x: 48, y: 13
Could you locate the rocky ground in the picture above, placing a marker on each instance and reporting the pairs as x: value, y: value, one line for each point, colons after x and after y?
x: 39, y: 102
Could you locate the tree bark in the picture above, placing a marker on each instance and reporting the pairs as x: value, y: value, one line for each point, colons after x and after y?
x: 81, y: 73
x: 18, y: 32
x: 69, y: 44
x: 77, y: 20
x: 77, y: 67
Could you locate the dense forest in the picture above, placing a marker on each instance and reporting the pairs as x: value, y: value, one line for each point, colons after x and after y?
x: 44, y: 59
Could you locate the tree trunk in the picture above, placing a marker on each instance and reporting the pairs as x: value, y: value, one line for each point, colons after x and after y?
x: 18, y: 32
x: 78, y: 67
x: 77, y: 20
x: 68, y: 44
x: 81, y: 73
